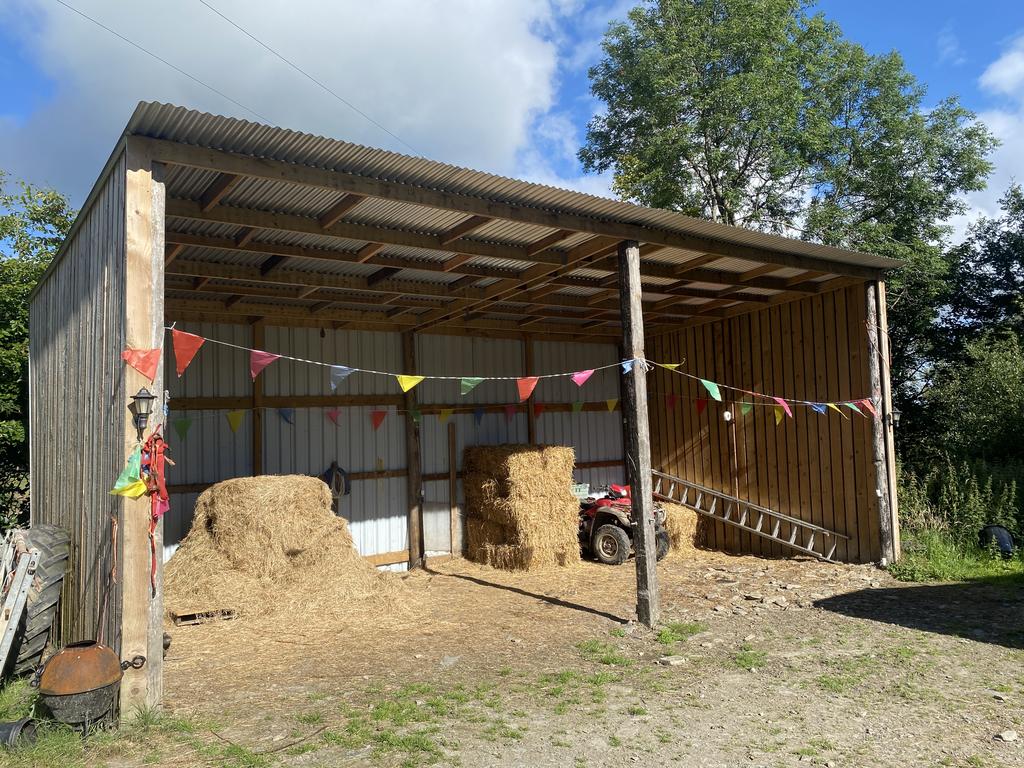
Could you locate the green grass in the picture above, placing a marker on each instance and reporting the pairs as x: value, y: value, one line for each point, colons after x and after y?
x: 748, y: 658
x: 602, y: 653
x: 677, y: 631
x: 937, y: 558
x: 16, y: 700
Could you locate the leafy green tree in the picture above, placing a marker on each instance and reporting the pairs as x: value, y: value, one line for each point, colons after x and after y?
x: 33, y: 223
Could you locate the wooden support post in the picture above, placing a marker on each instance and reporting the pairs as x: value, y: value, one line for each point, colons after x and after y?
x: 414, y: 464
x: 638, y: 447
x: 455, y: 547
x: 878, y: 427
x: 141, y: 605
x: 258, y: 340
x: 531, y: 416
x: 887, y: 418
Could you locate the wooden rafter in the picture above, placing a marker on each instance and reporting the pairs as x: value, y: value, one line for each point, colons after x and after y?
x: 336, y: 212
x: 463, y: 228
x: 549, y: 240
x: 171, y: 252
x: 218, y: 188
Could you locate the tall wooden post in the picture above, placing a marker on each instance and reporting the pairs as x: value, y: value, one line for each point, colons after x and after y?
x: 638, y: 439
x: 141, y: 603
x: 887, y: 416
x: 413, y: 461
x: 878, y: 426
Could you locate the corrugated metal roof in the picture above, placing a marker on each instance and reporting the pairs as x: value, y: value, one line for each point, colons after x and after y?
x: 162, y: 121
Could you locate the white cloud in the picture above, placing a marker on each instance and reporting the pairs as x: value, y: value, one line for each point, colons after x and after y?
x: 460, y: 80
x: 948, y: 44
x: 1005, y: 75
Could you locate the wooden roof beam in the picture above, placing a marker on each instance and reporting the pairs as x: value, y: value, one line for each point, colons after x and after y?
x: 172, y: 251
x: 463, y: 229
x: 336, y: 212
x: 218, y: 188
x: 546, y: 242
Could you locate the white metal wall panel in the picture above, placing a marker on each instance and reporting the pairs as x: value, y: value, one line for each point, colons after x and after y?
x: 216, y: 370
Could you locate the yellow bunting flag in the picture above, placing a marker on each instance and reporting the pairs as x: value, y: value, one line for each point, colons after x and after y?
x: 780, y: 414
x: 235, y: 419
x: 835, y: 408
x: 445, y: 414
x: 611, y: 404
x: 671, y: 366
x: 408, y: 382
x: 129, y: 483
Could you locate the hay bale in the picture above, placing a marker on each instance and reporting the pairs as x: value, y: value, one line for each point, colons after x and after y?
x: 270, y: 544
x: 686, y: 530
x: 520, y: 513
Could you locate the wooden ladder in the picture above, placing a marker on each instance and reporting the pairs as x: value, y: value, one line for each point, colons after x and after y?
x: 799, y: 535
x: 18, y: 566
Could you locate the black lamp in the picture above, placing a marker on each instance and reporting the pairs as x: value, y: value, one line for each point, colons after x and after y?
x: 142, y: 402
x: 894, y: 417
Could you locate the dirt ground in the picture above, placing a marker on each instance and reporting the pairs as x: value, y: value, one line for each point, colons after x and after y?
x: 759, y: 663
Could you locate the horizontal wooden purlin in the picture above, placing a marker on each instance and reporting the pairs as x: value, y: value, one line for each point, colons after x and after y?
x: 438, y: 476
x: 254, y: 308
x: 386, y: 474
x: 273, y: 401
x: 276, y: 170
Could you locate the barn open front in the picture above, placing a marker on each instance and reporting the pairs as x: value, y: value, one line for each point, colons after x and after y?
x: 371, y: 319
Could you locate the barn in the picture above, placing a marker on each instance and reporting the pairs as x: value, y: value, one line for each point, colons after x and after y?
x: 742, y: 373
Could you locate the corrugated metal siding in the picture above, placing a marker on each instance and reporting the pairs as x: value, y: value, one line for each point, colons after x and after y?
x: 77, y: 412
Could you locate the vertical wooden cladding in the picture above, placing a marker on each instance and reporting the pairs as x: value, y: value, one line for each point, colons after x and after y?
x: 814, y: 467
x: 77, y: 412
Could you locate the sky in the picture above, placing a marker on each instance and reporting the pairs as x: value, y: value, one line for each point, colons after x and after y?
x: 497, y: 85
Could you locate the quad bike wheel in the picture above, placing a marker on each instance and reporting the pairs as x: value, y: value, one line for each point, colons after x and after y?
x: 611, y: 544
x: 663, y: 544
x: 41, y: 603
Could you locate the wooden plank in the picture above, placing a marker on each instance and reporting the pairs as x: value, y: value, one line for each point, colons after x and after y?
x: 218, y: 188
x: 337, y: 212
x: 821, y: 485
x: 837, y: 428
x: 463, y: 228
x: 887, y: 418
x: 388, y: 558
x: 851, y: 510
x: 413, y: 459
x: 638, y: 449
x: 455, y: 546
x: 757, y: 442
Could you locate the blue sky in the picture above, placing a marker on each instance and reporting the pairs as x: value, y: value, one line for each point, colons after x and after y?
x: 494, y: 85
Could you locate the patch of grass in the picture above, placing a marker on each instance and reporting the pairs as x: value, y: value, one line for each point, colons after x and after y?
x: 837, y: 683
x: 500, y: 729
x: 749, y: 658
x: 310, y: 718
x: 937, y: 558
x: 614, y: 741
x: 618, y: 632
x: 419, y: 745
x: 603, y: 653
x: 400, y: 712
x: 16, y: 700
x: 677, y: 631
x: 636, y: 710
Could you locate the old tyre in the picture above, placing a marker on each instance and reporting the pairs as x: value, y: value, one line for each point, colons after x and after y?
x: 663, y: 543
x: 611, y: 544
x: 41, y: 605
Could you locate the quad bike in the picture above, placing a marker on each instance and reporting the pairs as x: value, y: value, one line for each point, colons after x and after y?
x: 606, y: 527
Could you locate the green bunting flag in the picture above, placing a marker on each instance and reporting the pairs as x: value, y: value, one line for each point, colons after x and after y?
x: 469, y: 383
x: 130, y: 483
x: 746, y: 408
x: 712, y: 389
x: 577, y: 406
x: 181, y: 427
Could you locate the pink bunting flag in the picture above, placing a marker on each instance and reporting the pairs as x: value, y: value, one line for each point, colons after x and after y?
x: 333, y: 414
x: 510, y: 412
x: 580, y: 377
x: 259, y: 360
x: 784, y: 405
x: 702, y: 403
x: 145, y: 361
x: 185, y: 347
x: 526, y: 386
x: 377, y: 418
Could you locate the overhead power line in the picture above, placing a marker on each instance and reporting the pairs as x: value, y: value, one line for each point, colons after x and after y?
x: 312, y: 79
x: 164, y: 61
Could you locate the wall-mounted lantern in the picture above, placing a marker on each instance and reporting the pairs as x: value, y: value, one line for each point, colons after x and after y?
x: 142, y: 403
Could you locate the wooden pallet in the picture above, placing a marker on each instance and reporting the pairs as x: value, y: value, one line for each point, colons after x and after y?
x: 18, y: 566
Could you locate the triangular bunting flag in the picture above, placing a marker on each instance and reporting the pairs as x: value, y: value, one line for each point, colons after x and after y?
x: 779, y: 415
x: 835, y: 408
x: 129, y: 483
x: 853, y: 407
x: 377, y: 418
x: 819, y: 407
x: 338, y: 374
x: 712, y: 389
x: 235, y: 419
x: 445, y: 414
x: 577, y: 406
x: 526, y: 386
x: 702, y: 403
x: 259, y: 360
x: 478, y: 415
x: 580, y: 377
x: 333, y: 414
x: 670, y: 401
x: 145, y: 361
x: 416, y: 416
x: 408, y: 382
x: 869, y: 406
x: 746, y: 408
x: 784, y: 405
x: 469, y: 383
x: 627, y: 366
x: 670, y: 366
x: 181, y: 427
x: 611, y: 404
x: 288, y: 414
x: 510, y: 412
x: 538, y: 409
x: 185, y: 347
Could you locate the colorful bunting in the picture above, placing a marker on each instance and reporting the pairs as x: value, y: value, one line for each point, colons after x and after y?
x: 510, y: 412
x: 377, y: 418
x: 130, y: 483
x: 408, y: 382
x: 538, y: 409
x: 784, y: 405
x: 702, y: 403
x: 869, y: 406
x: 526, y: 385
x: 746, y: 408
x: 835, y: 408
x: 712, y: 389
x: 185, y: 347
x: 338, y: 374
x: 853, y: 407
x: 469, y: 383
x: 577, y: 406
x: 259, y: 360
x: 580, y: 377
x: 145, y: 361
x: 611, y: 404
x: 478, y: 416
x: 181, y: 427
x: 627, y: 366
x: 445, y: 414
x: 819, y: 407
x: 779, y: 415
x: 671, y: 366
x: 333, y: 414
x: 235, y: 419
x: 670, y: 401
x: 288, y: 414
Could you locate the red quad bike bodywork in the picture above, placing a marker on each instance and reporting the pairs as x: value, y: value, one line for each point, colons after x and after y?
x: 606, y: 527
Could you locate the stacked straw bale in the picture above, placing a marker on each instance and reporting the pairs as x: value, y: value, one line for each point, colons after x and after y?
x: 686, y: 530
x: 271, y: 545
x: 520, y: 511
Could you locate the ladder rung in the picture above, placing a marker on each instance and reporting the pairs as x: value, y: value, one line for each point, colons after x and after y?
x: 792, y: 535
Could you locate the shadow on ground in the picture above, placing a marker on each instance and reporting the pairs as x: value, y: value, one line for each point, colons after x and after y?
x: 989, y: 611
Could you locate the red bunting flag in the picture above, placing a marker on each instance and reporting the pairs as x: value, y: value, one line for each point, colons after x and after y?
x: 185, y: 347
x: 784, y: 405
x: 145, y: 361
x: 866, y: 402
x: 526, y: 386
x: 333, y: 414
x: 260, y: 360
x: 377, y: 418
x: 538, y: 409
x: 702, y: 403
x: 670, y: 401
x: 510, y: 412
